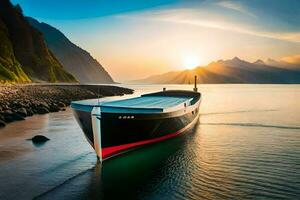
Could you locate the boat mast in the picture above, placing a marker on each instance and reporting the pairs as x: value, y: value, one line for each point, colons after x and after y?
x: 195, y: 85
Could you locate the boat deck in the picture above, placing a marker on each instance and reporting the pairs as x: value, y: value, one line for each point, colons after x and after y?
x: 136, y: 104
x: 147, y: 102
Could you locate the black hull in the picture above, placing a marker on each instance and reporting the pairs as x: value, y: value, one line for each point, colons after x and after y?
x: 123, y: 131
x: 142, y: 127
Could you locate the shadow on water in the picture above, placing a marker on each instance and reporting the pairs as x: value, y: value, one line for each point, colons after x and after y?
x: 123, y: 176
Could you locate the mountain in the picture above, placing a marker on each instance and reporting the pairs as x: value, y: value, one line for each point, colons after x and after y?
x: 229, y: 71
x: 10, y: 68
x: 283, y: 64
x: 76, y: 60
x: 259, y: 62
x: 24, y: 55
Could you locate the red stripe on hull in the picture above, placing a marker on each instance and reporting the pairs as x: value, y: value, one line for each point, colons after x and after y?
x: 110, y: 151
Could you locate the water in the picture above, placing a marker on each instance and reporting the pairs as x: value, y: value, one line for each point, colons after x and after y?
x: 245, y: 146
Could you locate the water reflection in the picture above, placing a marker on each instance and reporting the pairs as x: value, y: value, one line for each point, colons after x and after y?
x: 124, y: 175
x: 128, y: 176
x: 38, y: 144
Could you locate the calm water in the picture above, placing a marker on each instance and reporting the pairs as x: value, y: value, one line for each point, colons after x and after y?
x: 246, y: 146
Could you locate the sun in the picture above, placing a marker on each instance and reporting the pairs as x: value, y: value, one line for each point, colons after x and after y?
x: 190, y: 62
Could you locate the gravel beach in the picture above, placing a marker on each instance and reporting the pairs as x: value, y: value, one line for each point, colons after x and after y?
x: 20, y: 101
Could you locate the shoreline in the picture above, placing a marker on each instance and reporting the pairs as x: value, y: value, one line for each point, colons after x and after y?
x: 18, y: 101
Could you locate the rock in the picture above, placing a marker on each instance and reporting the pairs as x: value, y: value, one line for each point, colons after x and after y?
x: 29, y: 112
x: 7, y: 112
x: 17, y: 117
x: 54, y: 108
x: 22, y: 112
x: 39, y: 139
x: 17, y: 104
x: 61, y: 104
x: 63, y: 109
x: 42, y: 110
x: 7, y: 116
x: 2, y: 123
x: 12, y: 117
x: 1, y: 117
x: 44, y: 104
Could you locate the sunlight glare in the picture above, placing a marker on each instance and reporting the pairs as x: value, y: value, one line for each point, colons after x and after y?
x: 190, y: 62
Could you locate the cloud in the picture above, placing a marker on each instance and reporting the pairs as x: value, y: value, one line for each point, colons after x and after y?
x: 204, y: 18
x: 294, y: 59
x: 235, y: 6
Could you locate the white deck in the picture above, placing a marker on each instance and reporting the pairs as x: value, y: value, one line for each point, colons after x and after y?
x: 142, y: 104
x: 146, y: 104
x: 149, y: 102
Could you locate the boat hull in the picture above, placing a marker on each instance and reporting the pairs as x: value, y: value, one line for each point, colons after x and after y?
x: 120, y: 132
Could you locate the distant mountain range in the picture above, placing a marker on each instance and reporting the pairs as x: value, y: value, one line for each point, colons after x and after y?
x: 36, y: 52
x: 232, y: 71
x: 75, y: 60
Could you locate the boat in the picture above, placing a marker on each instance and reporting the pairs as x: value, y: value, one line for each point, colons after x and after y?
x: 117, y: 126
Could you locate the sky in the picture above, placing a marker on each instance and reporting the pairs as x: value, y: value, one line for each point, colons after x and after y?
x: 133, y: 39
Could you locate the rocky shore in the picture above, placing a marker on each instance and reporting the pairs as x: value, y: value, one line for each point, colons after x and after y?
x: 20, y: 101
